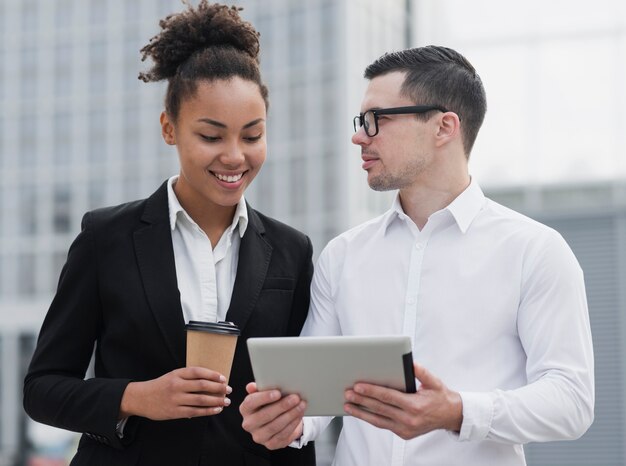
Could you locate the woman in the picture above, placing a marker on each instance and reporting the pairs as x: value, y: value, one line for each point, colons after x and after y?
x: 194, y: 250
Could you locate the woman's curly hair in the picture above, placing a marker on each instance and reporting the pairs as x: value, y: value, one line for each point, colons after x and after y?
x: 205, y: 43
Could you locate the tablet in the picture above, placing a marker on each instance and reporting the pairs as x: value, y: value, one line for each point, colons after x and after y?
x: 320, y: 369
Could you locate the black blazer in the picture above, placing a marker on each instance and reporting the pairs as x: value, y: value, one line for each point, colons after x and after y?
x: 118, y: 291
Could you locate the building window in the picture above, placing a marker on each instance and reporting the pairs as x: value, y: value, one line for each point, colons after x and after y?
x: 2, y: 138
x: 297, y: 111
x: 98, y: 12
x: 328, y: 19
x: 329, y: 191
x: 29, y: 15
x: 28, y: 73
x: 131, y: 131
x: 63, y: 69
x: 62, y: 209
x: 264, y: 24
x: 28, y: 139
x: 297, y: 37
x: 3, y: 61
x: 97, y: 66
x: 97, y: 136
x: 265, y: 187
x: 58, y: 261
x: 28, y: 210
x: 62, y: 137
x: 96, y: 193
x: 2, y: 293
x: 63, y: 14
x: 298, y: 185
x: 132, y: 58
x: 26, y: 274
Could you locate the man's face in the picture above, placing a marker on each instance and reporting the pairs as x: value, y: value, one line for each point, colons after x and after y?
x: 402, y: 150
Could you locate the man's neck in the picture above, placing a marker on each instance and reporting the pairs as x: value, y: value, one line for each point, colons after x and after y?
x: 421, y: 201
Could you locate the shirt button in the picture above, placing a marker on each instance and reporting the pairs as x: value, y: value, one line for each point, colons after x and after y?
x: 419, y: 246
x: 411, y: 300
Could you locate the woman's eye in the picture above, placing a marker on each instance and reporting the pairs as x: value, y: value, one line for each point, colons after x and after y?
x: 210, y: 138
x: 253, y: 138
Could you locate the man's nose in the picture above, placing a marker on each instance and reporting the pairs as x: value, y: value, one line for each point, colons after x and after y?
x: 360, y: 137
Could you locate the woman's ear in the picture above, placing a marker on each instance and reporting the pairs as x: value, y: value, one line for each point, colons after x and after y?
x: 449, y: 128
x: 167, y: 129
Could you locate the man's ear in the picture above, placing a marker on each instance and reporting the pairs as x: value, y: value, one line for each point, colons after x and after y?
x: 449, y: 128
x: 167, y: 129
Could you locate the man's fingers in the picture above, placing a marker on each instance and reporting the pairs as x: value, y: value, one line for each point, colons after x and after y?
x: 278, y: 431
x: 427, y: 379
x: 367, y: 416
x: 286, y: 436
x: 382, y: 402
x: 385, y: 395
x: 258, y: 400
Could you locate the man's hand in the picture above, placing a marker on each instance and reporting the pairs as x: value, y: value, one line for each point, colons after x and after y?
x: 183, y: 393
x: 408, y: 415
x: 273, y: 421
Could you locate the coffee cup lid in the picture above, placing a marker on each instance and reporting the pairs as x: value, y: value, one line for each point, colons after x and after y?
x: 226, y: 328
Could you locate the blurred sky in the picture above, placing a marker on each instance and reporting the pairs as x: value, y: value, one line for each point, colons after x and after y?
x: 555, y: 76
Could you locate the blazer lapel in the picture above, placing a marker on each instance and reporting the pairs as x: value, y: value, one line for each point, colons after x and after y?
x: 155, y: 257
x: 254, y: 259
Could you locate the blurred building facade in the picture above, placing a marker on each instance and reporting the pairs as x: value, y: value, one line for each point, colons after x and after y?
x: 592, y: 219
x: 79, y: 131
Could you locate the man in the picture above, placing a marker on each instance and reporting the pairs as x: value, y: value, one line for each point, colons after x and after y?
x: 494, y: 302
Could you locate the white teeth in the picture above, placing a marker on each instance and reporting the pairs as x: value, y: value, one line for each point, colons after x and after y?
x: 228, y: 179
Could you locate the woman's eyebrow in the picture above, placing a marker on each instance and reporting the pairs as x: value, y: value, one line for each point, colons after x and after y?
x: 212, y: 122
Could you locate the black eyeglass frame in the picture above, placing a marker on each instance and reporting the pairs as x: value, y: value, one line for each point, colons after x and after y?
x: 359, y: 120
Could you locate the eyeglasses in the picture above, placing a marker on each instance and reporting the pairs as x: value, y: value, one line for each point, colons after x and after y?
x: 369, y: 119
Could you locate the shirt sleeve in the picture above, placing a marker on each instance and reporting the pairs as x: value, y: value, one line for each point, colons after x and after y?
x: 321, y: 320
x: 557, y: 403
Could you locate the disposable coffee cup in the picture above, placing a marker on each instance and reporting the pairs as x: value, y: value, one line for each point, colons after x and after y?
x: 212, y: 345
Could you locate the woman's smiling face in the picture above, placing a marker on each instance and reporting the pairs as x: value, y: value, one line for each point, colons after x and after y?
x: 221, y: 142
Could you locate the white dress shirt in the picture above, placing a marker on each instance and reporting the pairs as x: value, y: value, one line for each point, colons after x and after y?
x: 205, y: 275
x: 495, y: 305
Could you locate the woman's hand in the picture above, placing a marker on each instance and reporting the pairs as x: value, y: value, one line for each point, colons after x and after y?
x: 183, y: 393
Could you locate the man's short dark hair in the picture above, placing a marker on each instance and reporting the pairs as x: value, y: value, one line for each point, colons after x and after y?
x: 441, y: 76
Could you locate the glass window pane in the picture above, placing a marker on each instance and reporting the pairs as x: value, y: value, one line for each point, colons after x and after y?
x: 297, y: 37
x: 63, y: 68
x: 62, y: 137
x: 97, y: 136
x: 62, y: 209
x: 27, y: 139
x: 28, y: 210
x: 29, y: 15
x: 28, y: 73
x: 63, y: 14
x: 97, y: 66
x: 26, y: 274
x: 97, y: 12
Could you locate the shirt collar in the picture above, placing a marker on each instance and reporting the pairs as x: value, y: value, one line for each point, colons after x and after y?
x: 464, y: 208
x: 240, y: 219
x: 467, y: 205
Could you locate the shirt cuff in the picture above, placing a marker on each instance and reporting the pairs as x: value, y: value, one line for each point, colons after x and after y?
x: 302, y: 440
x: 477, y: 416
x: 119, y: 428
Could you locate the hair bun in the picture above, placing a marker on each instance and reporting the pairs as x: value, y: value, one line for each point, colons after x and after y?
x: 195, y: 29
